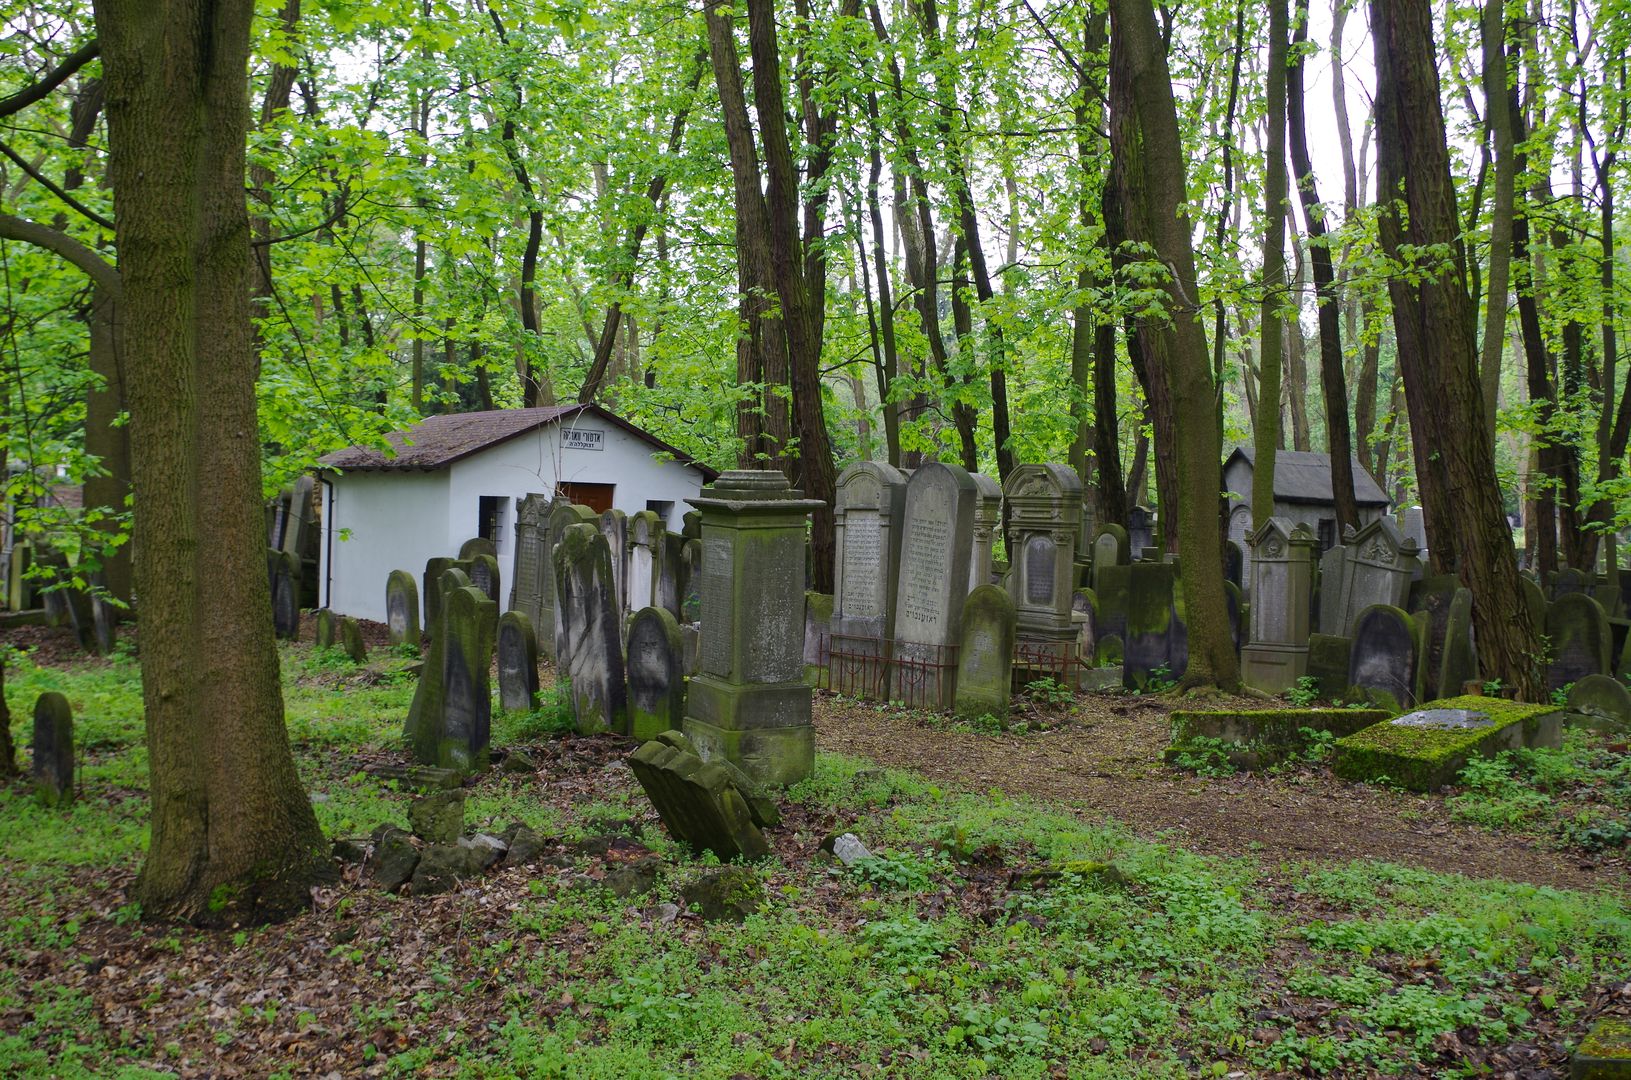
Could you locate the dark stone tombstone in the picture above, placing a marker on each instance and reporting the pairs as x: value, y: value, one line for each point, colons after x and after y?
x: 985, y: 658
x: 53, y: 750
x: 424, y: 724
x: 1385, y: 659
x: 666, y: 591
x: 1045, y: 511
x: 562, y: 516
x: 1140, y: 528
x: 656, y: 674
x: 434, y: 569
x: 517, y: 663
x: 691, y: 528
x: 1458, y: 659
x: 484, y: 574
x: 1329, y: 656
x: 588, y: 631
x: 1432, y: 597
x: 324, y: 624
x: 614, y: 526
x: 1084, y: 613
x: 477, y: 545
x: 356, y: 649
x: 1580, y: 636
x: 467, y: 707
x: 1603, y: 700
x: 104, y: 618
x: 1567, y: 581
x: 532, y: 568
x: 285, y: 582
x: 691, y: 582
x: 700, y: 804
x: 402, y: 608
x: 1150, y: 643
x: 1234, y: 563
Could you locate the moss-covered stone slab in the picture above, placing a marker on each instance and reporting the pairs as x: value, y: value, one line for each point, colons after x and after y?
x: 699, y: 803
x: 1255, y: 739
x: 1425, y: 749
x: 1605, y: 1052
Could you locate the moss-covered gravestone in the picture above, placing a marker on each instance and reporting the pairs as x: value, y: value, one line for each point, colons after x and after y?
x: 1109, y: 549
x: 1425, y: 749
x: 402, y: 608
x: 818, y: 618
x: 985, y: 658
x: 656, y: 674
x: 468, y: 621
x: 53, y: 750
x: 423, y: 729
x: 614, y: 526
x: 532, y: 568
x: 1605, y: 1052
x: 749, y: 703
x: 588, y: 631
x: 434, y: 569
x: 1384, y: 661
x: 323, y: 637
x: 284, y: 575
x: 351, y: 640
x: 477, y: 545
x: 1276, y: 654
x: 562, y: 516
x: 982, y: 567
x: 690, y: 581
x: 1601, y: 702
x: 1581, y: 639
x: 670, y: 571
x: 1155, y: 642
x: 1045, y: 513
x: 484, y: 575
x: 517, y: 663
x: 1458, y: 660
x: 1328, y: 660
x: 700, y: 805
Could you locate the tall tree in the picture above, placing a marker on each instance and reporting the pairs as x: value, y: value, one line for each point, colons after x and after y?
x: 1433, y: 320
x: 1272, y: 302
x: 234, y: 838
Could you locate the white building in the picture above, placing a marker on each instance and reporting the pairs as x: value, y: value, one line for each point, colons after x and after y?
x: 463, y: 475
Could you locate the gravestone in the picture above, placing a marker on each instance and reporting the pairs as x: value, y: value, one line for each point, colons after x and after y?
x: 323, y: 636
x: 423, y: 728
x: 517, y: 663
x: 285, y: 581
x: 484, y: 575
x: 1234, y: 563
x: 434, y: 569
x: 477, y: 545
x: 1329, y: 657
x: 985, y: 657
x: 19, y: 588
x: 700, y: 803
x: 1140, y: 528
x: 1458, y: 658
x: 666, y: 588
x: 532, y: 566
x: 104, y: 622
x: 588, y: 631
x: 867, y: 524
x: 987, y: 520
x: 1385, y: 658
x: 1328, y: 607
x: 300, y: 532
x: 936, y: 546
x: 468, y: 620
x: 1276, y: 655
x: 1153, y: 640
x: 280, y: 517
x: 656, y: 674
x: 1044, y: 514
x: 562, y: 516
x: 351, y: 642
x: 645, y: 535
x: 691, y: 525
x: 1603, y: 700
x: 1430, y: 600
x: 1084, y: 606
x: 53, y: 770
x: 1566, y: 581
x: 402, y: 608
x: 1378, y: 565
x: 1109, y: 549
x: 691, y: 581
x: 614, y: 526
x: 1413, y: 526
x: 817, y: 637
x: 1580, y: 637
x: 749, y: 704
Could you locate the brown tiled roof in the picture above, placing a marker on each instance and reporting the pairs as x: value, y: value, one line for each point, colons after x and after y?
x: 438, y: 441
x: 1303, y: 476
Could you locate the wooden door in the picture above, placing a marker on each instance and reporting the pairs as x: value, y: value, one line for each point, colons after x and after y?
x: 597, y: 497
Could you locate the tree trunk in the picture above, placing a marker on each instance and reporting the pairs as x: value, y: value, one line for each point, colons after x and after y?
x: 886, y: 295
x: 1141, y: 82
x: 1433, y: 320
x: 234, y: 839
x: 1333, y: 380
x: 1266, y: 432
x: 1498, y: 118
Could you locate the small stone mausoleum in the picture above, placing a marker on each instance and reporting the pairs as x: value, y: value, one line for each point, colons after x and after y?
x: 1302, y: 493
x: 462, y: 475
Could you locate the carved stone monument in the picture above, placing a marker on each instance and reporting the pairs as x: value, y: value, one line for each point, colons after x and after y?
x: 1044, y: 516
x: 1282, y: 570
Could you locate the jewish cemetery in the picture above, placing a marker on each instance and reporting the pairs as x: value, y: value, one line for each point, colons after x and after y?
x: 741, y: 542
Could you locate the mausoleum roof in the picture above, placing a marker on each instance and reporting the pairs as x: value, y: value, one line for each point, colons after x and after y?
x: 438, y: 441
x: 1301, y: 476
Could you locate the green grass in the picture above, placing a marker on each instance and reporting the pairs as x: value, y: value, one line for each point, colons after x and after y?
x: 1576, y: 796
x: 924, y: 961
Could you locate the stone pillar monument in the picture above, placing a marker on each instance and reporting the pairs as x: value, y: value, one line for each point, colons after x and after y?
x: 749, y: 703
x: 1044, y: 524
x: 1282, y: 577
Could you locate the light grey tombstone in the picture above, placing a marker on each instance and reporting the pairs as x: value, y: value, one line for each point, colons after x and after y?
x: 987, y: 520
x: 1276, y: 655
x: 614, y: 526
x: 402, y: 608
x: 531, y: 565
x: 656, y: 674
x: 562, y: 516
x: 867, y: 524
x: 645, y: 533
x: 1109, y: 549
x: 1044, y: 519
x: 936, y: 549
x: 1332, y: 581
x: 298, y: 532
x: 1380, y: 563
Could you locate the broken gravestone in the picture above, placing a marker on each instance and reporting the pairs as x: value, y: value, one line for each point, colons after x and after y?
x: 700, y: 804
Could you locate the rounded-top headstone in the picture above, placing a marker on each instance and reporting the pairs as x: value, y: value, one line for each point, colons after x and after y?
x: 53, y: 749
x: 477, y: 545
x: 1602, y: 697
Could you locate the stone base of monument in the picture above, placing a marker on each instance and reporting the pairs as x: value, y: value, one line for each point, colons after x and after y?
x: 762, y: 729
x: 1425, y: 749
x: 1605, y: 1052
x: 1273, y: 669
x: 1257, y: 739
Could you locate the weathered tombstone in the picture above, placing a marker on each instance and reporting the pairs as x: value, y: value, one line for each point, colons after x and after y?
x: 423, y: 728
x: 477, y: 545
x: 1413, y: 526
x: 19, y: 588
x: 1379, y: 564
x: 484, y: 575
x: 53, y: 770
x: 1603, y: 700
x: 402, y: 608
x: 468, y: 618
x: 1084, y: 616
x: 656, y: 675
x: 1385, y: 660
x: 1154, y: 641
x: 588, y: 631
x: 434, y: 569
x: 1458, y: 659
x: 1234, y: 562
x: 699, y: 803
x: 285, y: 580
x: 280, y: 517
x: 1329, y: 608
x: 351, y: 640
x: 691, y: 525
x: 1580, y: 638
x: 749, y: 704
x: 985, y: 658
x: 614, y: 526
x: 104, y: 624
x: 691, y: 582
x: 818, y: 619
x: 666, y: 585
x: 562, y: 516
x: 1329, y: 657
x: 1110, y: 549
x: 532, y: 566
x: 1567, y: 580
x: 987, y: 520
x: 1276, y: 655
x: 1045, y: 511
x: 1140, y: 528
x: 323, y: 637
x: 645, y: 535
x: 936, y: 543
x: 299, y: 532
x: 517, y: 663
x: 1430, y: 599
x: 867, y: 523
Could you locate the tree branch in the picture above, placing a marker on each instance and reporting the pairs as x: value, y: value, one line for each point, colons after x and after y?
x: 22, y: 99
x: 54, y: 188
x: 61, y: 244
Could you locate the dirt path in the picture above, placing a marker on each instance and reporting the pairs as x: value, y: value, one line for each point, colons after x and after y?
x: 1105, y: 764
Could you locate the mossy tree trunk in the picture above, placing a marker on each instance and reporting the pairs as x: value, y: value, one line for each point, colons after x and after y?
x: 1266, y: 430
x: 233, y: 835
x: 1155, y: 192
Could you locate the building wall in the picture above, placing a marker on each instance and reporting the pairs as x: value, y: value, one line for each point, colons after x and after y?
x: 1237, y: 479
x: 373, y: 523
x: 398, y: 520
